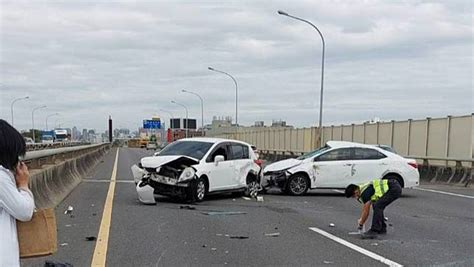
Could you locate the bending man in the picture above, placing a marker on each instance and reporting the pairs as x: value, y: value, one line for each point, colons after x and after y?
x: 378, y: 194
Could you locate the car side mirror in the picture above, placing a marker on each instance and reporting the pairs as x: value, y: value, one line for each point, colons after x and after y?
x: 218, y: 159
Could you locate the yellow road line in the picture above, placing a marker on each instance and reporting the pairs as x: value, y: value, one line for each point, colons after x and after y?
x: 100, y: 252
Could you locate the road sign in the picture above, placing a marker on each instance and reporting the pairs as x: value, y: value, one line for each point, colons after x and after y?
x: 151, y: 124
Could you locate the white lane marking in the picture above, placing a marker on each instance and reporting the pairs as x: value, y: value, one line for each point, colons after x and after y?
x: 338, y: 191
x: 443, y: 192
x: 355, y: 247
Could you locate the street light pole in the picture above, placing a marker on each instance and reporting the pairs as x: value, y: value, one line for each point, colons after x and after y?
x: 322, y: 71
x: 13, y: 102
x: 50, y: 115
x: 236, y: 92
x: 171, y: 117
x: 33, y: 121
x: 202, y: 109
x: 187, y: 121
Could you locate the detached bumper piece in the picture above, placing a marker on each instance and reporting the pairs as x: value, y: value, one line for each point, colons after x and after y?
x: 145, y: 193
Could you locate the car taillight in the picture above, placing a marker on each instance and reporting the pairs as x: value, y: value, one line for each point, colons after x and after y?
x: 259, y: 162
x: 413, y: 164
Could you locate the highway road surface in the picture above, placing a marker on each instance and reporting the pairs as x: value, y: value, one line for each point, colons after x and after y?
x: 430, y: 226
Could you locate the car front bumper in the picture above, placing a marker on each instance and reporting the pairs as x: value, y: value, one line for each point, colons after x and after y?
x: 275, y: 179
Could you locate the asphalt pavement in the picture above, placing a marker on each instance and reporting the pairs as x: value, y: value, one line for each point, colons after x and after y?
x: 425, y: 227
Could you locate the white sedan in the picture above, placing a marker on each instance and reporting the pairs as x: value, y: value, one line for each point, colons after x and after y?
x: 337, y: 165
x: 195, y: 167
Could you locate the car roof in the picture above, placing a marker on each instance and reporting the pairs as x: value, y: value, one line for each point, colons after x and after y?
x: 341, y: 144
x: 211, y: 140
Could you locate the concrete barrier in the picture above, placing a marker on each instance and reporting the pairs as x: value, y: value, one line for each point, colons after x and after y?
x: 54, y: 174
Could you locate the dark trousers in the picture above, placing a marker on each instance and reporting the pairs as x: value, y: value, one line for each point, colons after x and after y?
x: 394, y: 192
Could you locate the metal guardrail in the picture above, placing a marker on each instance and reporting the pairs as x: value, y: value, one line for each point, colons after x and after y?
x: 40, y: 146
x: 31, y: 155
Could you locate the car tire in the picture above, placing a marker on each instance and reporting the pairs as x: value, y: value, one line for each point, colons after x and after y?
x: 252, y: 187
x: 297, y: 185
x: 200, y: 190
x: 396, y: 178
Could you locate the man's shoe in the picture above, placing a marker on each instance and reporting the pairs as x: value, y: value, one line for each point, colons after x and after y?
x: 369, y: 235
x: 383, y: 232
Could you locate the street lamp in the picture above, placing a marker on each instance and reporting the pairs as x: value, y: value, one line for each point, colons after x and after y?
x: 283, y: 13
x: 202, y: 109
x: 187, y: 121
x: 236, y: 91
x: 33, y: 121
x: 50, y: 115
x: 15, y: 100
x: 171, y: 117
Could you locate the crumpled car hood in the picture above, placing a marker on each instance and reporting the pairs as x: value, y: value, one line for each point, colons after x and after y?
x: 157, y: 161
x: 282, y: 165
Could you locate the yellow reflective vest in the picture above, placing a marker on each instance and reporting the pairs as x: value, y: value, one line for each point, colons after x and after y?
x: 380, y: 187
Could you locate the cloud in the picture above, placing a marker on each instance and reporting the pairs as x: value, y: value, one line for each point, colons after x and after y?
x: 394, y: 60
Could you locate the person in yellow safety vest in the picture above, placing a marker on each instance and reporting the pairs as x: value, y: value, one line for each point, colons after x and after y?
x: 378, y: 194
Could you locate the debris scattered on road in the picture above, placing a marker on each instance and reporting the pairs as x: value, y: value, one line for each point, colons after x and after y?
x: 204, y: 246
x: 56, y: 264
x: 259, y: 198
x: 332, y: 225
x: 390, y: 224
x: 273, y: 234
x: 233, y: 199
x: 374, y: 244
x: 355, y: 233
x: 91, y: 238
x: 227, y: 235
x: 213, y: 249
x: 246, y: 198
x: 69, y: 210
x: 212, y: 213
x: 386, y: 219
x: 64, y: 244
x: 238, y: 237
x: 92, y: 205
x: 94, y: 214
x: 226, y: 252
x: 187, y: 207
x: 328, y: 262
x: 68, y: 225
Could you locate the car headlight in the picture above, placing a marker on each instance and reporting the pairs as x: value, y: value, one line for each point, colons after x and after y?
x: 187, y: 174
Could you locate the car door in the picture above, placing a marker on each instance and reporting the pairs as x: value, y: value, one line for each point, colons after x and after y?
x: 333, y: 168
x: 241, y: 163
x: 369, y: 164
x: 220, y: 174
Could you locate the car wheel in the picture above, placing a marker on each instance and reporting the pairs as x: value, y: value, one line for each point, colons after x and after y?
x: 298, y: 185
x: 396, y: 178
x: 200, y: 190
x: 252, y: 188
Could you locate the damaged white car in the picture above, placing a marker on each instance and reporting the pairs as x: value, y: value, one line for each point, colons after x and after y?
x: 337, y: 165
x: 195, y: 167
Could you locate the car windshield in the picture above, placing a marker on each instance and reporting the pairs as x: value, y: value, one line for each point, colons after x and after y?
x: 193, y: 149
x: 314, y: 153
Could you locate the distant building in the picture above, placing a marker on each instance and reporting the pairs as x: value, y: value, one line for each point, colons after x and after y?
x: 259, y: 124
x: 279, y: 123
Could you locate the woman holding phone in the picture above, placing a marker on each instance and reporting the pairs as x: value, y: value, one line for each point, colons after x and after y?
x: 16, y: 199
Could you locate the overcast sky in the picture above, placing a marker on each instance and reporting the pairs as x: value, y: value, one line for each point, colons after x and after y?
x: 86, y: 60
